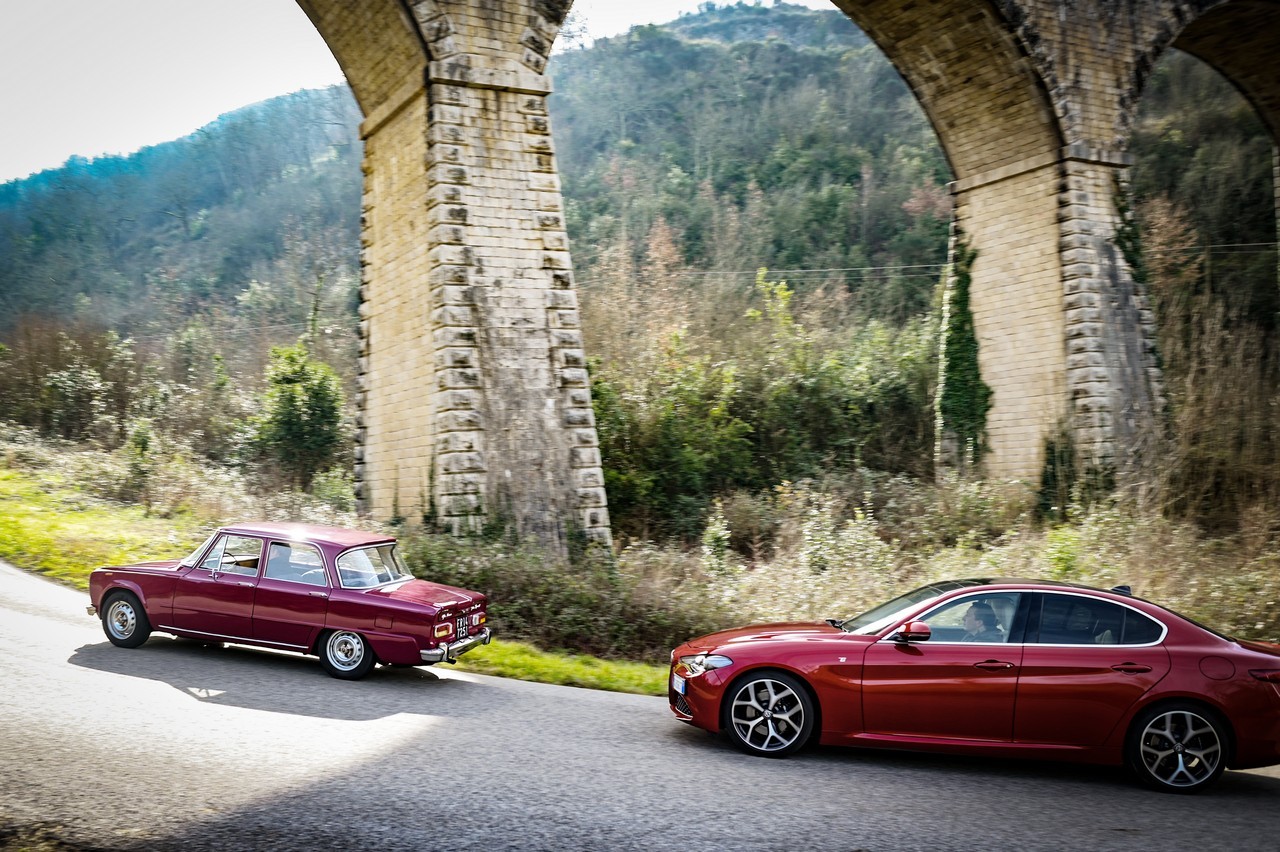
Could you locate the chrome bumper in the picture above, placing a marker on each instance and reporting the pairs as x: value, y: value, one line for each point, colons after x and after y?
x: 91, y: 609
x: 449, y: 653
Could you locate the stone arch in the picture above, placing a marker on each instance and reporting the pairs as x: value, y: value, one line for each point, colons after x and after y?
x: 376, y: 49
x: 979, y: 74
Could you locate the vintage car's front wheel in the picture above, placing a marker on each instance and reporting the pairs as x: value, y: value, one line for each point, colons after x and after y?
x: 125, y: 621
x: 345, y: 654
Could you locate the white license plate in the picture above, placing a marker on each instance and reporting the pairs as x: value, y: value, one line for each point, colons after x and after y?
x: 677, y: 683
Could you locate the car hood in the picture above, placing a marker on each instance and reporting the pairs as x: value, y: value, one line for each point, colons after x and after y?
x: 795, y: 630
x: 163, y: 565
x: 436, y: 595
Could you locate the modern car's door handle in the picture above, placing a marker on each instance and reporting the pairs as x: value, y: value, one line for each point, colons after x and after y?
x: 993, y: 665
x: 1132, y: 668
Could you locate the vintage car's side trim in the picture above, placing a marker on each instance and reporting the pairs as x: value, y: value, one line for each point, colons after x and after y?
x: 449, y: 653
x: 186, y: 631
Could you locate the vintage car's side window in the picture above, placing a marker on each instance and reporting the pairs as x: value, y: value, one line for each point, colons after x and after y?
x: 1079, y: 620
x: 987, y: 618
x: 298, y: 563
x: 234, y: 554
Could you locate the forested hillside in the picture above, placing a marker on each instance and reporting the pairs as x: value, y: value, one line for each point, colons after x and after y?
x: 148, y: 289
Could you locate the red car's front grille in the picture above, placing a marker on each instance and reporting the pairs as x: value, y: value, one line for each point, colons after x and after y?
x: 682, y: 705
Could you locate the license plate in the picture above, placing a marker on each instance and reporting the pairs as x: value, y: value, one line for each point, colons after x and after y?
x: 677, y: 683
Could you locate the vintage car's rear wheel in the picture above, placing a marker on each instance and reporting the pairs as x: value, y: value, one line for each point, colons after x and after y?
x: 769, y: 714
x: 345, y: 654
x: 1177, y: 747
x: 125, y: 621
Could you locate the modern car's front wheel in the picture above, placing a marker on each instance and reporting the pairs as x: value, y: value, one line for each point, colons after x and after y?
x: 769, y: 714
x: 125, y: 621
x: 345, y: 654
x: 1177, y: 748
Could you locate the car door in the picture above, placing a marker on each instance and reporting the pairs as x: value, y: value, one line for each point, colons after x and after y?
x: 292, y: 596
x: 1086, y: 661
x: 216, y: 597
x: 946, y: 687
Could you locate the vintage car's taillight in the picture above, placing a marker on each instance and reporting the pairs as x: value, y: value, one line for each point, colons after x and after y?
x: 444, y: 629
x: 477, y: 619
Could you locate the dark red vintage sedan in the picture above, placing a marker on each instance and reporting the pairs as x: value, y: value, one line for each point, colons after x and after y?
x: 343, y: 595
x: 1011, y: 668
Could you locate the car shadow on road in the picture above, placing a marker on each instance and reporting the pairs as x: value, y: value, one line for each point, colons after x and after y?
x: 909, y: 768
x: 280, y: 682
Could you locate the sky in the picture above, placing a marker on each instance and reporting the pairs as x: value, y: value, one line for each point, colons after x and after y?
x: 95, y: 77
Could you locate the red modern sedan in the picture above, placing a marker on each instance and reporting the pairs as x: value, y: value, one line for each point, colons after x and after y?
x: 1012, y: 668
x: 343, y: 595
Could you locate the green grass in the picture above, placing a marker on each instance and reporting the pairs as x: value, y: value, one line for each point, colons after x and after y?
x: 52, y: 528
x: 525, y: 662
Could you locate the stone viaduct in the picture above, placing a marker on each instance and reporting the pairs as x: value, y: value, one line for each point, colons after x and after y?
x: 474, y: 396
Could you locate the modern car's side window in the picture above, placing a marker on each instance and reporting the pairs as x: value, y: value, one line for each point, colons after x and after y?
x: 985, y: 618
x: 297, y: 563
x: 1078, y: 620
x: 234, y: 554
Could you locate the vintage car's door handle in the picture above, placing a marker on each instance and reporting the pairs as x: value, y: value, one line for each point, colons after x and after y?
x: 243, y: 583
x: 318, y: 594
x: 1132, y: 668
x: 993, y: 665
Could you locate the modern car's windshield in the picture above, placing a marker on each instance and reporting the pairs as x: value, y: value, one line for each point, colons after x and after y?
x: 372, y: 566
x: 875, y: 620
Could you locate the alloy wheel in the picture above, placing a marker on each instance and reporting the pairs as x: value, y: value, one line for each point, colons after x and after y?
x: 1180, y: 749
x: 767, y: 715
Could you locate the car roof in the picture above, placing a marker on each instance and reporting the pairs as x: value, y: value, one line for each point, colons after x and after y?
x: 316, y: 533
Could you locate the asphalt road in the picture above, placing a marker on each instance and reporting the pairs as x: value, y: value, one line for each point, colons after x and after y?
x: 177, y: 746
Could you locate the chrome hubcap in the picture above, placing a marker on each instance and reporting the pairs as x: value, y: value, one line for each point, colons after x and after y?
x: 1180, y: 748
x: 767, y: 715
x: 346, y: 650
x: 121, y: 619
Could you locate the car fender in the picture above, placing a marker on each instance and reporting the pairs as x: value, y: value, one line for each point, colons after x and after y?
x: 126, y: 584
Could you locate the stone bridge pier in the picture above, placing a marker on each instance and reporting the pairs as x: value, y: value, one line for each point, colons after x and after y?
x: 474, y: 399
x: 1033, y: 101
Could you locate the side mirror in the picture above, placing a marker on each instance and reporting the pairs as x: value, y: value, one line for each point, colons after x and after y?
x: 912, y: 631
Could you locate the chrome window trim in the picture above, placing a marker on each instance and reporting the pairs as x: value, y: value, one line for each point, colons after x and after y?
x: 1164, y: 628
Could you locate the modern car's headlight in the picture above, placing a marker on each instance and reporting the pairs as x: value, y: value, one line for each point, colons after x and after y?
x: 699, y: 663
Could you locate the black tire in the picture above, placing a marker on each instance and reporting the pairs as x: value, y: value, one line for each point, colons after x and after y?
x: 768, y: 714
x: 1163, y: 737
x: 346, y: 654
x: 124, y: 620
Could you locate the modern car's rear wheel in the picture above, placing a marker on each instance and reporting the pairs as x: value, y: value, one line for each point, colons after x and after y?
x: 345, y: 654
x: 125, y: 621
x: 1177, y: 748
x: 769, y: 714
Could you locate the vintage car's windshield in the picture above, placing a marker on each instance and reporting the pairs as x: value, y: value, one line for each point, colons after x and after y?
x: 372, y: 566
x: 195, y: 554
x: 877, y: 619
